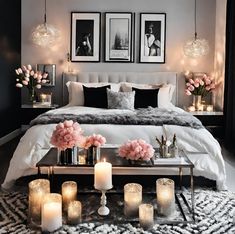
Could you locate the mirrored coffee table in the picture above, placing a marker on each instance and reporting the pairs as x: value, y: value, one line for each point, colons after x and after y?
x: 122, y: 166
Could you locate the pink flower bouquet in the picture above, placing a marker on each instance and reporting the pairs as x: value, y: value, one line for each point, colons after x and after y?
x: 199, y: 86
x: 95, y: 140
x: 67, y: 135
x: 136, y: 150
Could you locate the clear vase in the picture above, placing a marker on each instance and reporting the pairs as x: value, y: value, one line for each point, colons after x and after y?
x: 67, y: 157
x: 32, y: 95
x: 197, y: 102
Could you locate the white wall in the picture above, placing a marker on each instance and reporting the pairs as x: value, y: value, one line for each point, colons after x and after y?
x: 219, y: 70
x: 179, y: 28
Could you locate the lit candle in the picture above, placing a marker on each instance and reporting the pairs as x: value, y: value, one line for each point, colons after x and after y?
x: 191, y: 108
x: 74, y: 212
x: 43, y: 97
x: 165, y: 196
x: 51, y: 212
x: 201, y: 107
x: 103, y: 176
x: 69, y: 193
x: 82, y: 159
x: 146, y: 216
x: 37, y: 190
x: 132, y: 198
x: 209, y: 108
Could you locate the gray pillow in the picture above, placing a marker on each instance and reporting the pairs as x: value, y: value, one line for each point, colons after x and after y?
x: 120, y: 100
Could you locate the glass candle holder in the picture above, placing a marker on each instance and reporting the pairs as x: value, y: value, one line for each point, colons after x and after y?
x: 51, y: 212
x: 146, y: 216
x: 165, y: 196
x: 209, y: 108
x: 37, y: 190
x: 132, y: 198
x: 69, y: 193
x: 74, y: 212
x: 45, y: 99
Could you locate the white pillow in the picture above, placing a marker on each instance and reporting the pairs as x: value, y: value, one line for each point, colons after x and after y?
x: 76, y: 95
x: 165, y: 93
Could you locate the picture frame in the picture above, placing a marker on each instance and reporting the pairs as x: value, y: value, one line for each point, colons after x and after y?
x: 152, y: 37
x: 50, y: 69
x: 85, y: 36
x: 119, y: 37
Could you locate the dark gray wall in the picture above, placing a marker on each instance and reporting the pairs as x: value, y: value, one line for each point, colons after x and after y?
x: 10, y: 49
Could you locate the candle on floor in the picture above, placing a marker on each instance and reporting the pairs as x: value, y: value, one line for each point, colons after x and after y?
x: 37, y: 190
x: 103, y: 176
x: 69, y: 193
x: 146, y: 216
x: 52, y: 212
x: 165, y: 196
x: 74, y: 212
x: 132, y: 198
x: 209, y: 108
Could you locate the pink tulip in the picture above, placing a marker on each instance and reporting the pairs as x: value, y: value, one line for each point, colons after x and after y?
x: 44, y: 81
x: 39, y: 76
x: 191, y: 88
x: 44, y: 75
x: 187, y: 92
x: 35, y: 76
x: 207, y: 81
x: 29, y: 67
x: 38, y: 86
x: 32, y: 73
x: 19, y: 85
x: 191, y: 81
x: 188, y: 84
x: 24, y: 68
x: 208, y: 88
x: 212, y: 86
x: 20, y: 71
x: 24, y: 82
x: 196, y: 84
x: 27, y: 75
x: 16, y: 70
x: 201, y: 82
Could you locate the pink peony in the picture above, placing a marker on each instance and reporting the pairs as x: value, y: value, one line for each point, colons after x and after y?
x: 136, y: 150
x: 94, y: 140
x: 67, y: 135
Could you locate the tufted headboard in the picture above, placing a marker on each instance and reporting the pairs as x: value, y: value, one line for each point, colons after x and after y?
x: 116, y: 77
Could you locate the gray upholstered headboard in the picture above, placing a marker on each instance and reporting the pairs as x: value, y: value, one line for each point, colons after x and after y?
x: 116, y: 77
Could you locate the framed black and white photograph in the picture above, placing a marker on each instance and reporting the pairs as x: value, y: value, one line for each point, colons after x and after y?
x: 119, y: 37
x: 50, y: 69
x: 152, y: 37
x: 85, y: 37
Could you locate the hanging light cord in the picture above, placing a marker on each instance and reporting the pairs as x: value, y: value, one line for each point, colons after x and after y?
x: 45, y: 12
x: 195, y: 18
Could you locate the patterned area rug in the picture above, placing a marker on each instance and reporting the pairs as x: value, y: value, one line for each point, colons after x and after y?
x: 214, y: 214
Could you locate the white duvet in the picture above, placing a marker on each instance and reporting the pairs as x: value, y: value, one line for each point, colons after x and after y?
x: 205, y: 151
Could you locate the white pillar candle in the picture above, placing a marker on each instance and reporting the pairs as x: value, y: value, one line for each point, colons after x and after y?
x: 52, y: 212
x: 146, y: 215
x: 132, y: 198
x: 74, y: 212
x: 165, y: 196
x: 37, y: 190
x: 103, y: 176
x: 69, y: 193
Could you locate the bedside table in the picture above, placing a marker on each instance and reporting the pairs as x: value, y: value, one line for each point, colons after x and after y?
x: 29, y: 112
x: 212, y: 120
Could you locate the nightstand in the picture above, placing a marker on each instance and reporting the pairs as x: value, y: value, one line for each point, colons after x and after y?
x: 213, y: 121
x: 29, y: 112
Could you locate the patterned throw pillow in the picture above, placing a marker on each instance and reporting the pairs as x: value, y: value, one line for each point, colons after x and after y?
x: 120, y: 100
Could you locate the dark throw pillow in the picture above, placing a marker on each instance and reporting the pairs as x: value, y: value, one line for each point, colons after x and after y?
x: 146, y: 97
x: 96, y: 96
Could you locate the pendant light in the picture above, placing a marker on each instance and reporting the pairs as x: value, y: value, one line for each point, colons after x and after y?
x: 197, y: 47
x: 45, y: 35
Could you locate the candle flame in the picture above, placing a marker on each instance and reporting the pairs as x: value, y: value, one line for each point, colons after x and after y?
x: 104, y: 160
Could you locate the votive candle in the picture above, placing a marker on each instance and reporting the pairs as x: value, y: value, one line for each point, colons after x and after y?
x: 209, y: 108
x: 74, y: 212
x: 69, y: 193
x: 165, y: 196
x: 37, y: 190
x: 103, y: 176
x: 132, y: 198
x: 52, y: 212
x: 146, y: 216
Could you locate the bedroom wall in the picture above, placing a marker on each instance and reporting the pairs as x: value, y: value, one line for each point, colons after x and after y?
x: 179, y: 28
x: 10, y: 48
x: 219, y: 71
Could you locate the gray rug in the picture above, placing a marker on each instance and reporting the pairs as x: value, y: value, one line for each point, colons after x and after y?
x: 214, y: 214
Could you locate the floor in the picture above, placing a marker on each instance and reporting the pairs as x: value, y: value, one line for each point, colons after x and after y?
x: 6, y: 152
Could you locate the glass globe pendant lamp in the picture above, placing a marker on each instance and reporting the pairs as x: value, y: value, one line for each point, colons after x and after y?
x: 45, y: 35
x: 197, y: 47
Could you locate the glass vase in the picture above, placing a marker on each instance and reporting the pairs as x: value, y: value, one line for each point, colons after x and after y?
x: 67, y: 157
x: 197, y: 102
x: 93, y: 155
x: 32, y: 95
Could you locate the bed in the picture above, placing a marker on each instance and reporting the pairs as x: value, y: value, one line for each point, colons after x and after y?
x: 202, y: 148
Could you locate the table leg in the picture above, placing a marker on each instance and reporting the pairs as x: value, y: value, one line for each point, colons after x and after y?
x: 39, y: 171
x: 181, y: 176
x: 192, y: 193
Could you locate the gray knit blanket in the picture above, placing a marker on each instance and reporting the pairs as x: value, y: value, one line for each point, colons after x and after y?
x: 146, y: 116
